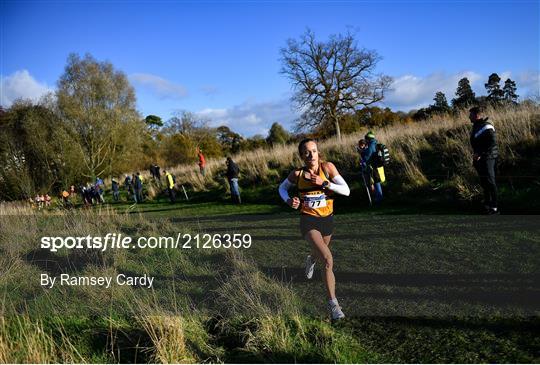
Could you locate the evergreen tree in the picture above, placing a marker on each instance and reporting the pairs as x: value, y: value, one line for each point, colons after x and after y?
x: 153, y: 121
x: 465, y: 94
x: 421, y: 114
x: 441, y: 104
x: 495, y: 94
x: 509, y: 91
x: 277, y: 135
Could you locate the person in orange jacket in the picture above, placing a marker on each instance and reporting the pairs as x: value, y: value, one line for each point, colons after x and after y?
x: 202, y: 161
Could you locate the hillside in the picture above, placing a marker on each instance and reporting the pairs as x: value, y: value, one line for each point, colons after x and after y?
x: 431, y: 157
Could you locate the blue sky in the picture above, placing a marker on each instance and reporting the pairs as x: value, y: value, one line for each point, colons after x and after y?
x: 221, y: 59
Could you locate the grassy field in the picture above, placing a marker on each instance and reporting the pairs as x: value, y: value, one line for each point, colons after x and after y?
x: 415, y: 288
x: 422, y: 278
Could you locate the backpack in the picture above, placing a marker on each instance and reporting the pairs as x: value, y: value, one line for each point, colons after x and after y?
x: 383, y: 155
x: 173, y: 178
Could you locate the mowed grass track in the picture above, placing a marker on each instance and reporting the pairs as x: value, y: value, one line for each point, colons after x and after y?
x: 402, y: 265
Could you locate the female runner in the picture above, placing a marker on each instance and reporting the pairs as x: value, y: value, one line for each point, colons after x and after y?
x: 316, y: 182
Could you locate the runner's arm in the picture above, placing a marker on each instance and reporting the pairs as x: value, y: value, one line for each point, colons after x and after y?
x: 286, y: 185
x: 284, y: 190
x: 339, y: 185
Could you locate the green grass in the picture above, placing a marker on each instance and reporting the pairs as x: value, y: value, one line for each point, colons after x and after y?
x: 415, y: 288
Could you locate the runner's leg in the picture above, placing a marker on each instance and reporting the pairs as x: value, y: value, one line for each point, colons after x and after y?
x: 325, y: 256
x: 327, y: 240
x: 314, y: 253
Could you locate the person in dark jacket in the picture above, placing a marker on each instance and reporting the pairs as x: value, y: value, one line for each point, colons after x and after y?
x: 486, y: 152
x: 100, y: 185
x: 368, y: 155
x: 232, y: 176
x: 115, y: 189
x: 138, y: 188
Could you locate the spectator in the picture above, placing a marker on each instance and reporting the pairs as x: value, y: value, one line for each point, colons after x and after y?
x: 115, y: 190
x: 169, y: 178
x: 202, y: 161
x: 127, y: 184
x: 100, y: 185
x: 232, y: 177
x: 47, y: 199
x: 369, y: 160
x: 65, y: 199
x: 138, y: 188
x: 486, y: 152
x: 38, y: 201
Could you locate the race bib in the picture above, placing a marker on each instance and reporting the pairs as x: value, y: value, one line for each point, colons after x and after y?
x: 315, y: 201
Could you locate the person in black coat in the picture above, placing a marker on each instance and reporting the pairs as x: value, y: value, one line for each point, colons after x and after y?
x: 232, y: 177
x: 115, y: 187
x: 486, y: 152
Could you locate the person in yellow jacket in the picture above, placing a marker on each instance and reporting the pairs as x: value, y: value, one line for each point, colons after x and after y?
x: 317, y: 182
x: 169, y: 178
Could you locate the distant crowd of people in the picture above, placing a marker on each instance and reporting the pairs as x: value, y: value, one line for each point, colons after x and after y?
x: 133, y: 185
x: 93, y: 193
x: 40, y: 201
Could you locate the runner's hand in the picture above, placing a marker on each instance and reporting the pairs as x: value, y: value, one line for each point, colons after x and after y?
x: 317, y: 180
x: 294, y: 202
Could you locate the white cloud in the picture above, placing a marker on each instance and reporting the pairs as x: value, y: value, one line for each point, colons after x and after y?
x: 21, y: 85
x: 504, y: 76
x: 529, y: 78
x: 413, y: 92
x: 250, y: 118
x: 163, y: 88
x: 213, y: 114
x: 528, y: 83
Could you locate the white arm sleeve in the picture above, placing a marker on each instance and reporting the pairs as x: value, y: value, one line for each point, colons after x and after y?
x: 284, y: 189
x: 339, y: 186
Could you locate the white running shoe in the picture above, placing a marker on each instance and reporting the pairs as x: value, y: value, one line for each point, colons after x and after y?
x: 335, y: 312
x: 310, y: 265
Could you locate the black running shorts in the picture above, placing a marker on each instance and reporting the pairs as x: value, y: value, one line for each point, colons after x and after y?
x: 325, y: 225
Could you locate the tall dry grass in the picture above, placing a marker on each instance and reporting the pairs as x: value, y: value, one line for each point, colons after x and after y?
x: 249, y: 293
x: 23, y: 340
x: 168, y: 337
x: 444, y: 135
x: 263, y: 315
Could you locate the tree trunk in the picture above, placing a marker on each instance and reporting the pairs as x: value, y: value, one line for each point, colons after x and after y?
x: 338, y: 131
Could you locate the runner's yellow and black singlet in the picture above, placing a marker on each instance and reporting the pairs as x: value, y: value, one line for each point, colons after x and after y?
x: 313, y: 199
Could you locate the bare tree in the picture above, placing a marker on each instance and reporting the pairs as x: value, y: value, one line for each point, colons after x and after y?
x: 331, y: 78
